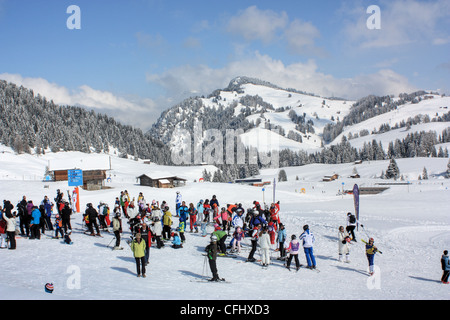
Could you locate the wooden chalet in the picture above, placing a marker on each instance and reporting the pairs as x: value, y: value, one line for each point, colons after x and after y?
x: 161, y: 182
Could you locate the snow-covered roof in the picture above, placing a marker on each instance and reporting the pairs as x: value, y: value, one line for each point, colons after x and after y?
x: 100, y: 162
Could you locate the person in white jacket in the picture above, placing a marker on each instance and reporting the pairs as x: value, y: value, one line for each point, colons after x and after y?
x: 10, y: 229
x: 344, y: 239
x: 264, y: 245
x: 308, y: 239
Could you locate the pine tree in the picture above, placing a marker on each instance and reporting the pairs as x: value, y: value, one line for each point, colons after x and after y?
x: 424, y: 174
x: 392, y: 171
x: 282, y: 175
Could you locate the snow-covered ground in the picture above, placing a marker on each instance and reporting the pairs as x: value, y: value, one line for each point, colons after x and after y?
x: 410, y: 224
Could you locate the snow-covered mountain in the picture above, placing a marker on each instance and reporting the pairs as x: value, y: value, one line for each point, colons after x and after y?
x: 273, y: 118
x: 295, y: 118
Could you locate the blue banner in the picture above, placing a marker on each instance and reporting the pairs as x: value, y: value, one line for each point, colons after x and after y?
x: 75, y: 178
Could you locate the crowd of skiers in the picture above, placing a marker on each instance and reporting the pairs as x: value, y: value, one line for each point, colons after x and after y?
x: 30, y: 220
x: 153, y: 223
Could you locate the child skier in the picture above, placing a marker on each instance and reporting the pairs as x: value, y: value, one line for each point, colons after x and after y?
x: 238, y: 236
x: 211, y: 251
x: 176, y: 243
x: 58, y: 227
x: 294, y: 247
x: 117, y: 227
x: 203, y: 226
x: 370, y: 253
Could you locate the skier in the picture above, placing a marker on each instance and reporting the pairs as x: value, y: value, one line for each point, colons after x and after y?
x: 146, y: 235
x: 117, y: 227
x: 58, y: 227
x: 370, y: 253
x: 281, y: 238
x: 138, y: 248
x: 254, y: 239
x: 10, y: 228
x: 211, y: 251
x: 206, y: 210
x: 344, y: 239
x: 24, y: 217
x: 264, y: 245
x: 275, y: 212
x: 92, y: 214
x: 307, y: 238
x: 203, y: 226
x: 351, y: 225
x: 176, y: 243
x: 178, y: 203
x: 34, y: 223
x: 66, y: 212
x: 183, y: 212
x: 294, y: 247
x: 167, y: 222
x: 272, y: 229
x: 221, y: 238
x: 445, y: 263
x: 48, y: 207
x: 181, y: 228
x: 200, y: 210
x: 193, y: 218
x: 67, y: 239
x: 156, y: 228
x: 238, y: 236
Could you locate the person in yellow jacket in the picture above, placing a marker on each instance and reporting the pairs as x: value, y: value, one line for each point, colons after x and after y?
x: 138, y: 247
x: 167, y: 223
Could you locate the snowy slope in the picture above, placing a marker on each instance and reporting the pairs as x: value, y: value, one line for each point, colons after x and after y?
x: 437, y: 106
x: 410, y: 225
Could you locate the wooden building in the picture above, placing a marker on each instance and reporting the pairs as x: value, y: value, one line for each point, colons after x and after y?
x: 94, y: 170
x: 331, y: 178
x: 161, y: 182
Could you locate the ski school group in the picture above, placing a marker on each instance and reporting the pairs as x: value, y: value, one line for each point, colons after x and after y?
x: 153, y: 223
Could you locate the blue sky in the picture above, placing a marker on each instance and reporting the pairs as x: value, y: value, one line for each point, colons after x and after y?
x: 135, y: 58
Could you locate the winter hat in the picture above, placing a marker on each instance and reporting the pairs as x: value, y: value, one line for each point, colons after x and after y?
x: 445, y: 252
x: 305, y: 227
x: 293, y: 237
x: 216, y: 227
x: 49, y: 288
x: 213, y: 238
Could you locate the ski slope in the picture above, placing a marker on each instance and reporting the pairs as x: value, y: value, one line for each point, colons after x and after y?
x: 410, y: 224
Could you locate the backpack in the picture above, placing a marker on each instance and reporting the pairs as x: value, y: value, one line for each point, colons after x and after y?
x: 352, y: 218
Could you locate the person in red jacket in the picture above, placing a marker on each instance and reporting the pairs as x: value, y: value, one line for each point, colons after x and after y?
x: 274, y: 212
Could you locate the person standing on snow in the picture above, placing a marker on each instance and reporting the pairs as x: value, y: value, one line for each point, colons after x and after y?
x: 264, y: 245
x: 178, y: 202
x: 308, y: 239
x: 117, y: 227
x: 370, y: 254
x: 254, y: 239
x: 281, y: 238
x: 351, y: 225
x: 10, y: 227
x: 445, y: 263
x: 193, y: 218
x: 211, y: 253
x: 138, y: 246
x: 344, y: 239
x: 294, y: 247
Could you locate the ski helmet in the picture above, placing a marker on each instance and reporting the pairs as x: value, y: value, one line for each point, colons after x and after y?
x: 305, y: 227
x: 49, y: 287
x: 213, y: 238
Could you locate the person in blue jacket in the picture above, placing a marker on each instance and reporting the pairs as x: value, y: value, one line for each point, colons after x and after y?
x: 176, y: 243
x: 183, y: 212
x: 257, y: 219
x: 445, y: 267
x: 281, y: 238
x: 35, y: 223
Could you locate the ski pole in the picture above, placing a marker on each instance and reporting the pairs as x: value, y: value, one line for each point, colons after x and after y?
x: 111, y: 241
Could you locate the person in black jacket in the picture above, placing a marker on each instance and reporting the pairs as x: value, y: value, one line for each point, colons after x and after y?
x: 24, y: 217
x: 92, y: 215
x: 66, y: 212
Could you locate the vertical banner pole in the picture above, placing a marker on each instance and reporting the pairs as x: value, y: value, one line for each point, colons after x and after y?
x: 356, y: 201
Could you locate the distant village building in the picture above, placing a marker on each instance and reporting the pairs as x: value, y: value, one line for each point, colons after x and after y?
x: 161, y: 182
x: 331, y: 178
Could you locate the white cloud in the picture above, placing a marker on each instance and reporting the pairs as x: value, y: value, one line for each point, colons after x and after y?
x: 255, y: 24
x: 300, y: 36
x: 402, y: 22
x: 301, y: 76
